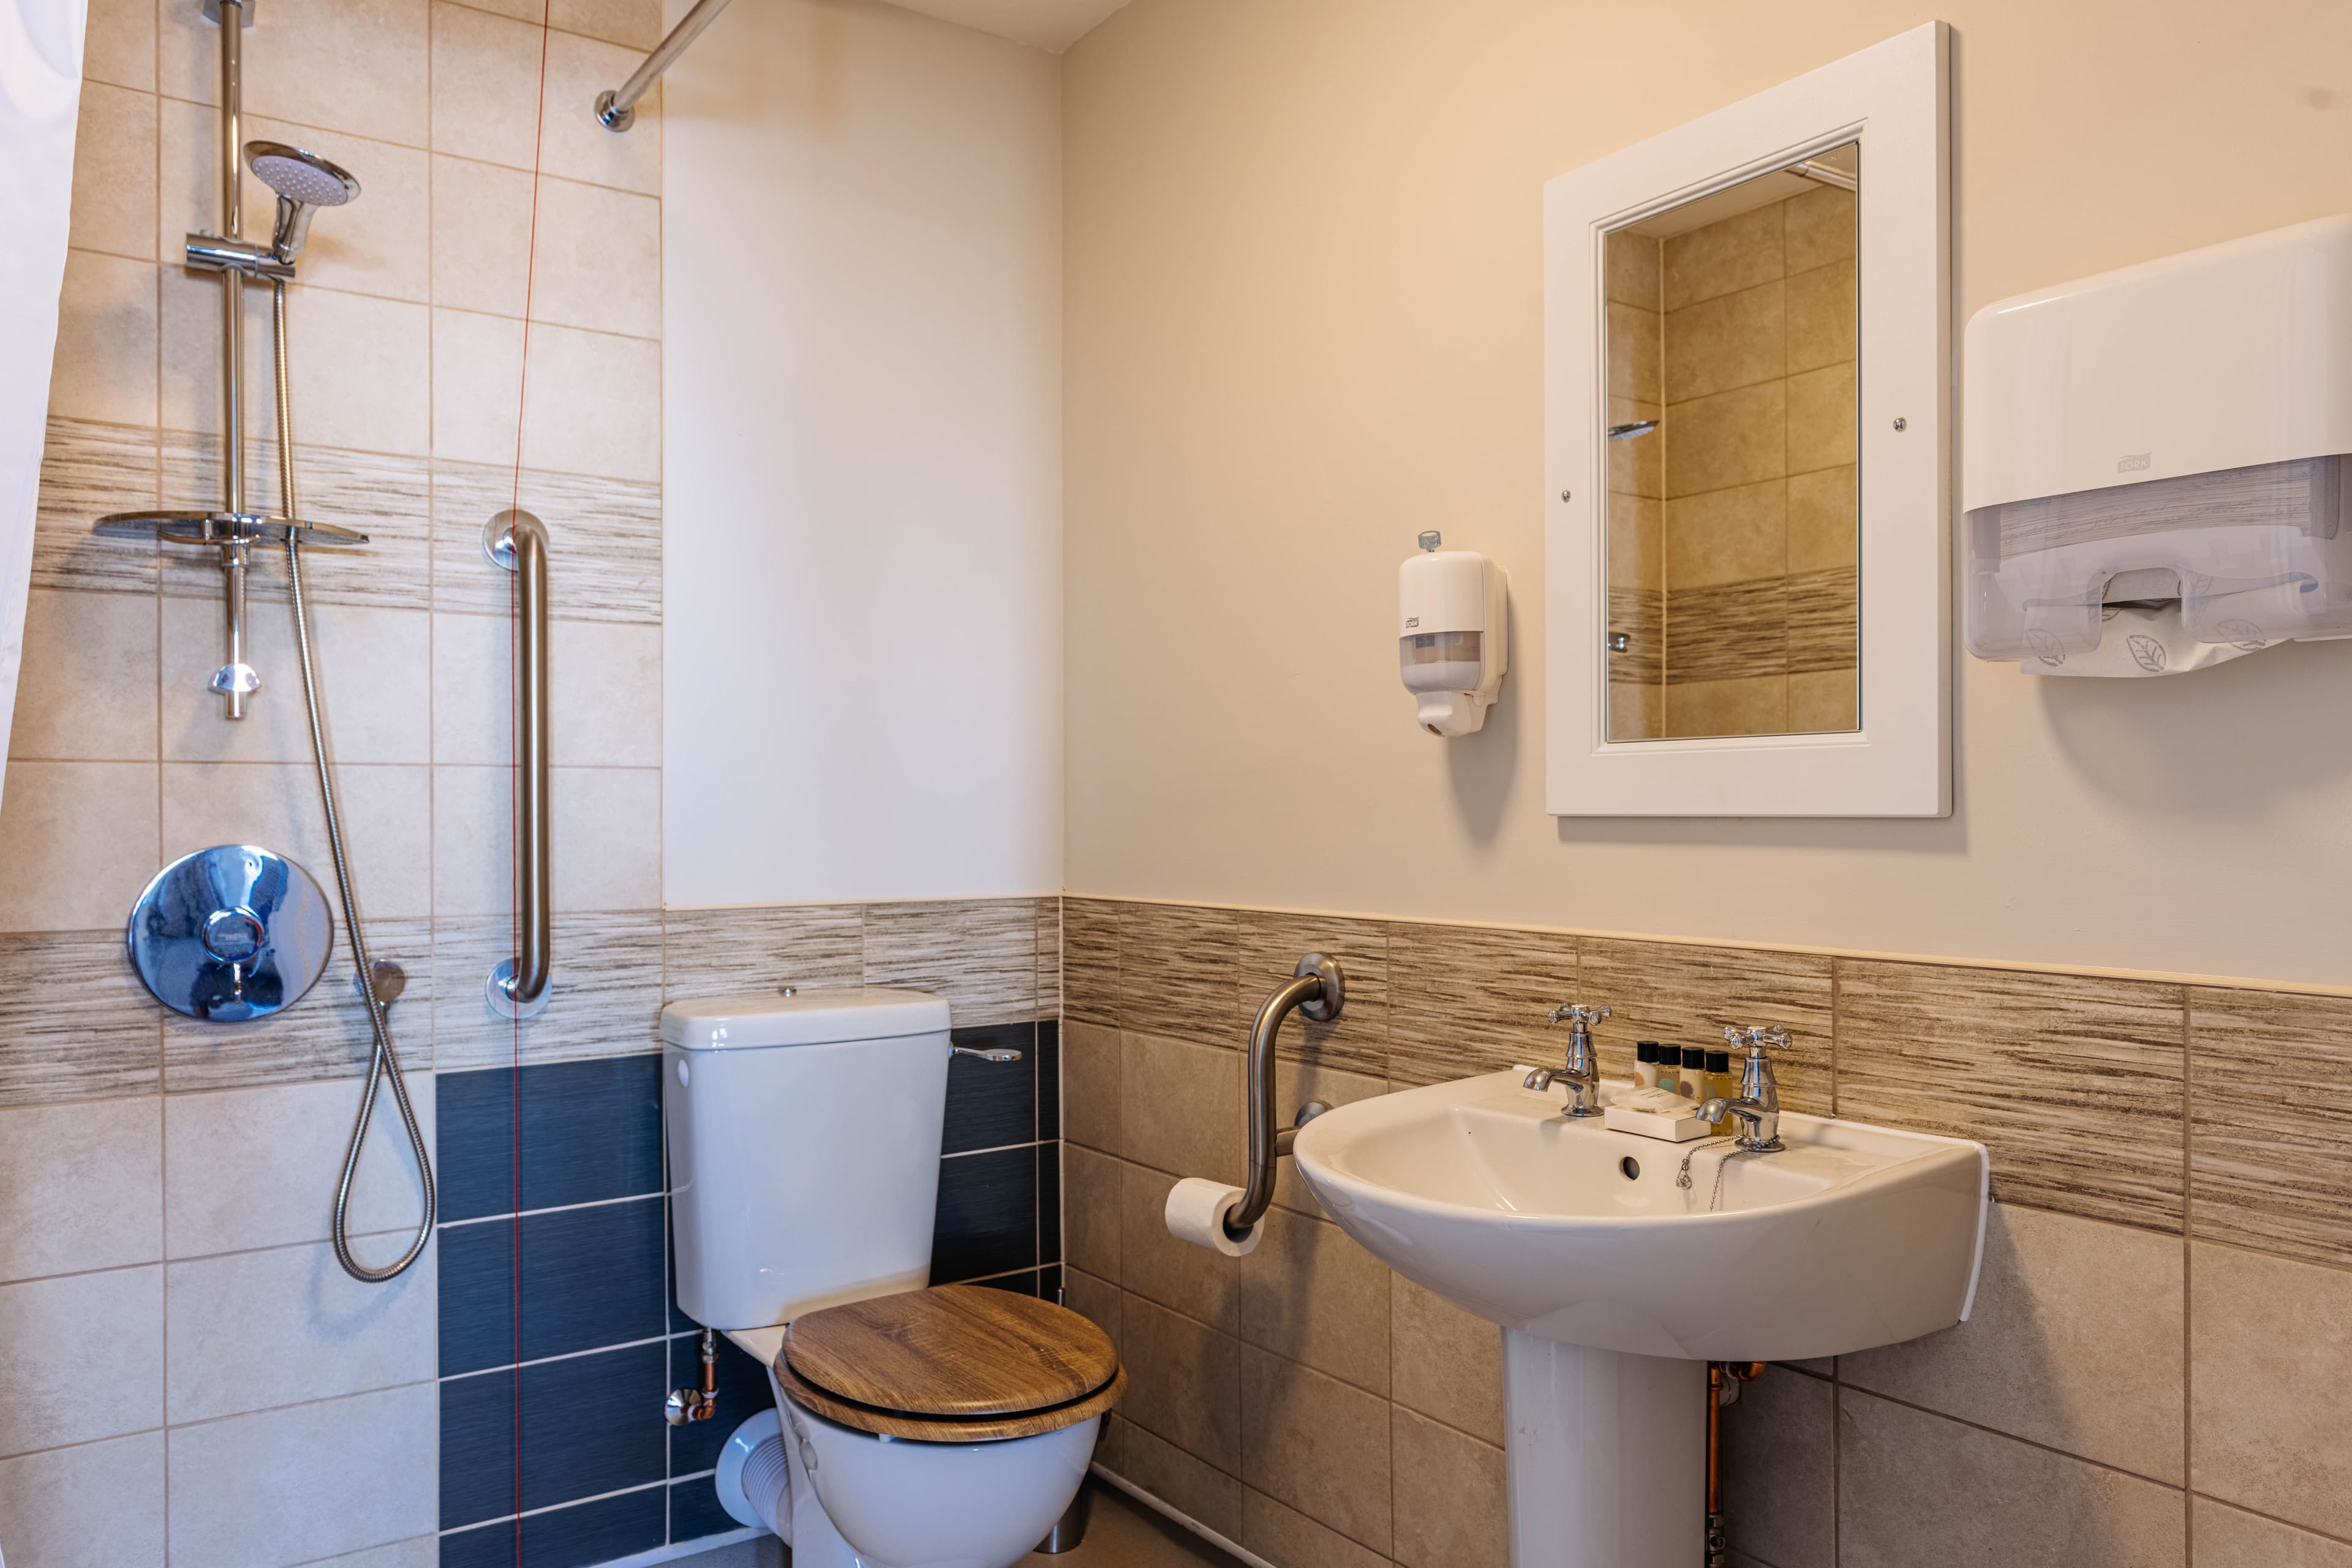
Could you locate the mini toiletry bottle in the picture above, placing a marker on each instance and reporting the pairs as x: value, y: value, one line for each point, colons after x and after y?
x: 1670, y: 1068
x: 1645, y: 1064
x: 1720, y: 1084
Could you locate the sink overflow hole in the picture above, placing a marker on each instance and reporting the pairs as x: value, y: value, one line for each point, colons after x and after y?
x: 1631, y: 1167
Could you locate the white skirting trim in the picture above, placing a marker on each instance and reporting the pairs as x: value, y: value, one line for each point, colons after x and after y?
x: 683, y: 1549
x: 1169, y: 1510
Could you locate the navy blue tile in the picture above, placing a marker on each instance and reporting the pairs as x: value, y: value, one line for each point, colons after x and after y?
x: 1049, y: 1078
x: 590, y: 1130
x: 991, y: 1104
x: 1049, y: 1203
x: 1021, y: 1284
x: 695, y: 1511
x: 1049, y: 1284
x: 572, y: 1537
x: 743, y: 1392
x: 591, y: 1425
x: 590, y: 1277
x: 987, y: 1221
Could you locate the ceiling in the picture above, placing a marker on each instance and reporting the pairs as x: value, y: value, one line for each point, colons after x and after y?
x: 1051, y: 24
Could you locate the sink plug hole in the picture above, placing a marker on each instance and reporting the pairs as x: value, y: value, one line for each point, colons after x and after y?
x: 1631, y: 1167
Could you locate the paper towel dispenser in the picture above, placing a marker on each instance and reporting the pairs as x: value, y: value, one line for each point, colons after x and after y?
x: 2155, y: 477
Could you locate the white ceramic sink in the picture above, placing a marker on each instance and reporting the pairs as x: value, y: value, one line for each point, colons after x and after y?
x: 1482, y: 1191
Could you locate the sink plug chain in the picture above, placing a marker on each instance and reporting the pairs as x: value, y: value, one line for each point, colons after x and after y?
x: 1682, y: 1176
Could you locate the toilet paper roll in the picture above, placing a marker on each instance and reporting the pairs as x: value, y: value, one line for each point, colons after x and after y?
x: 1196, y: 1213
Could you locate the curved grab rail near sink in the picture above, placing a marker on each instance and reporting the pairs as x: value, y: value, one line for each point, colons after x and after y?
x: 1480, y: 1190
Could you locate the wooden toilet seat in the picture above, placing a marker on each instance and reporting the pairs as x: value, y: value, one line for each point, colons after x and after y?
x: 949, y: 1365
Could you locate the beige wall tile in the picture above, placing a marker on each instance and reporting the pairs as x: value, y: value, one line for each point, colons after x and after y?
x: 607, y: 991
x: 1177, y: 974
x: 1821, y: 322
x: 594, y: 261
x: 2283, y: 1183
x: 1634, y: 351
x: 1450, y: 1508
x: 1090, y: 977
x: 1822, y: 419
x: 1196, y: 1487
x: 487, y: 95
x: 574, y: 146
x: 1821, y: 518
x: 1738, y: 252
x: 1779, y: 1470
x: 1687, y: 995
x: 87, y: 691
x: 604, y: 828
x: 593, y: 400
x: 1469, y: 999
x: 1637, y: 541
x: 1991, y: 1499
x: 1756, y: 705
x: 1823, y: 701
x: 1090, y: 1211
x: 1296, y: 1083
x: 365, y: 384
x: 2074, y: 1083
x: 1182, y: 1108
x: 104, y: 366
x: 635, y: 23
x: 1269, y: 947
x: 1637, y: 466
x: 1203, y: 1285
x: 481, y: 236
x: 1049, y: 957
x: 1091, y: 1074
x: 75, y: 1023
x: 94, y: 1176
x: 356, y: 69
x: 979, y: 953
x: 228, y: 803
x: 1632, y: 270
x: 2074, y: 1343
x: 1728, y: 536
x: 292, y: 1309
x: 114, y: 173
x: 1731, y: 341
x: 1313, y: 1295
x: 1820, y: 227
x: 109, y: 1327
x: 98, y: 1504
x: 717, y: 952
x: 2231, y: 1537
x: 374, y: 671
x: 1445, y: 1361
x: 1731, y: 438
x: 1285, y: 1535
x: 1184, y: 1383
x: 1094, y: 1299
x: 2263, y: 1333
x: 1317, y: 1445
x: 80, y: 840
x: 119, y: 44
x: 1635, y: 710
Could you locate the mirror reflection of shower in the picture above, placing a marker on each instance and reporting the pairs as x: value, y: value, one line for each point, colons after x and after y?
x: 304, y: 183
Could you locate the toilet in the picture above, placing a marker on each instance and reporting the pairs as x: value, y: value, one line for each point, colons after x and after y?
x: 916, y: 1426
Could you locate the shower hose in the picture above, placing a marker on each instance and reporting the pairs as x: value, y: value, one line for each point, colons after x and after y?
x: 383, y: 1063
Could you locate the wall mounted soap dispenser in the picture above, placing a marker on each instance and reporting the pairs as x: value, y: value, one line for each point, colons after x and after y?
x: 1453, y: 643
x: 2156, y: 478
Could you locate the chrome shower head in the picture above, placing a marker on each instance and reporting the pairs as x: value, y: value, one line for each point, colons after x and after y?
x: 304, y: 183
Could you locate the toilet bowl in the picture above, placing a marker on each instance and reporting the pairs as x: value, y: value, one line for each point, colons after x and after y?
x: 916, y: 1426
x: 938, y: 1428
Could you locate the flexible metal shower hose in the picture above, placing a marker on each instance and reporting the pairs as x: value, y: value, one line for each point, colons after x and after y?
x: 382, y: 1061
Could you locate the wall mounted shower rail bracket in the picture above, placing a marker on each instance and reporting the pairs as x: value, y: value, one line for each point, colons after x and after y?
x: 616, y: 107
x: 518, y: 988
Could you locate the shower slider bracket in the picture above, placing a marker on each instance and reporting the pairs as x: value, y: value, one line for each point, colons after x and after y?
x: 213, y: 254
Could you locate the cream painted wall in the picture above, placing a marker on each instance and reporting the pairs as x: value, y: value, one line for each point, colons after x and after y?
x: 862, y: 435
x: 1304, y: 322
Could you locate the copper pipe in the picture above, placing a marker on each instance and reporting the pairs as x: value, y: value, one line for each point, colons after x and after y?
x: 689, y: 1403
x: 1720, y: 1376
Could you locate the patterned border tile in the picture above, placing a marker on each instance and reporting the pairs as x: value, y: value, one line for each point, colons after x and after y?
x: 1176, y: 972
x: 1269, y: 948
x: 1090, y: 961
x: 386, y: 497
x: 1469, y: 999
x: 718, y: 953
x: 75, y: 1023
x: 1686, y: 995
x: 981, y: 955
x: 608, y: 991
x: 2268, y: 1166
x: 606, y: 536
x: 89, y: 469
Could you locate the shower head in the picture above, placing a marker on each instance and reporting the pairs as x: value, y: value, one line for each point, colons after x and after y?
x: 304, y: 183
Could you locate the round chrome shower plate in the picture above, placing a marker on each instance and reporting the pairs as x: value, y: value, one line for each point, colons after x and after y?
x: 231, y: 933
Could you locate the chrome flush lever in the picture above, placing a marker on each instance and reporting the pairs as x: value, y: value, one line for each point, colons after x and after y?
x: 992, y: 1053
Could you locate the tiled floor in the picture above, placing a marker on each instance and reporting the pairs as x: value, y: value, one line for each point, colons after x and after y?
x: 1123, y: 1533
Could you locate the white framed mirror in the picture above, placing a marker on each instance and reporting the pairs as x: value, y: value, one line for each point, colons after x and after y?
x: 1748, y: 351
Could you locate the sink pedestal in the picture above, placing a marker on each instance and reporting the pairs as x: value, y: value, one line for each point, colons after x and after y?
x: 1607, y: 1455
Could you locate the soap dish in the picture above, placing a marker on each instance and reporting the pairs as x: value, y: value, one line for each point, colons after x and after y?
x: 1651, y: 1124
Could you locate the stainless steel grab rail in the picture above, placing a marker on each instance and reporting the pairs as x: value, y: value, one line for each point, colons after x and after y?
x: 1318, y: 989
x: 518, y: 542
x: 617, y: 108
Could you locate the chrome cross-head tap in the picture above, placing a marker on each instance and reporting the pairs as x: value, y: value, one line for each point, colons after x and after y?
x: 1581, y: 1071
x: 1757, y: 1105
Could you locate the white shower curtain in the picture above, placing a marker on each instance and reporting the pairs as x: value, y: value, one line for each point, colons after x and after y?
x: 40, y: 94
